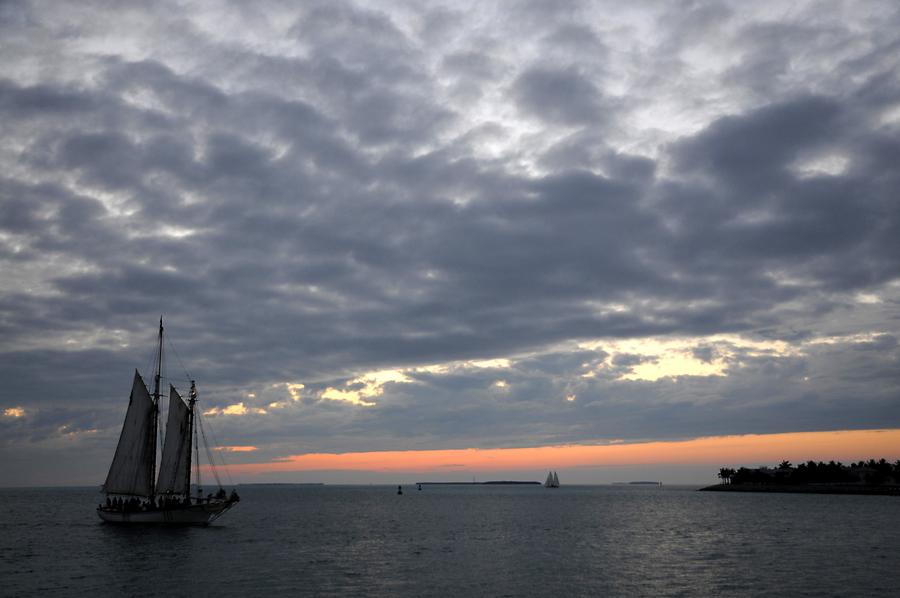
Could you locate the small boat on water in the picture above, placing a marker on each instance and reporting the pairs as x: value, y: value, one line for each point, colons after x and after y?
x: 135, y: 491
x: 552, y: 480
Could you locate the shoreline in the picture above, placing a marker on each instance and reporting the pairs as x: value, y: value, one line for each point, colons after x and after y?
x: 806, y: 489
x: 489, y: 483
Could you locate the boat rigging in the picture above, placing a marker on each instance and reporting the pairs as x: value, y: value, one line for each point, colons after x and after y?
x: 136, y: 491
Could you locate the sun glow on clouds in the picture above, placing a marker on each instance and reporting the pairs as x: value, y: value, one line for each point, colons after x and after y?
x: 670, y: 358
x: 236, y: 449
x: 667, y: 358
x: 358, y: 390
x: 370, y: 385
x: 867, y: 337
x: 66, y: 431
x: 488, y: 363
x: 673, y: 364
x: 236, y: 409
x: 632, y: 360
x: 658, y: 358
x: 294, y: 390
x: 715, y: 451
x: 14, y: 412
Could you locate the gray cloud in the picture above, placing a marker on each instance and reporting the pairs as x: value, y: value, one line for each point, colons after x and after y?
x: 565, y: 97
x: 351, y: 189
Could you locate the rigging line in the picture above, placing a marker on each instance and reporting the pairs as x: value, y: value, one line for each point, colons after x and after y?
x: 151, y: 364
x: 169, y: 380
x: 216, y: 443
x: 212, y: 463
x: 178, y: 357
x: 212, y: 456
x: 224, y: 464
x: 196, y: 436
x: 154, y: 359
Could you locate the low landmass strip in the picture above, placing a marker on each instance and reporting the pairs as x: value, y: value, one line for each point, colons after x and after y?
x: 637, y: 483
x: 865, y: 477
x: 493, y: 482
x: 283, y: 484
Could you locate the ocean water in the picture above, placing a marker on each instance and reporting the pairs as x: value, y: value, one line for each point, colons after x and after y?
x: 461, y: 541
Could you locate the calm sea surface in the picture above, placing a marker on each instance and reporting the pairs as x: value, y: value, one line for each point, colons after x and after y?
x: 461, y: 541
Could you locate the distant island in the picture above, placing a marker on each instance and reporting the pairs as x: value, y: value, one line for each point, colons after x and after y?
x: 865, y: 477
x: 283, y: 484
x: 493, y: 482
x: 637, y: 483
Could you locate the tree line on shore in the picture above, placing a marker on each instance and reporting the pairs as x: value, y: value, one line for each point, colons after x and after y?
x: 869, y: 472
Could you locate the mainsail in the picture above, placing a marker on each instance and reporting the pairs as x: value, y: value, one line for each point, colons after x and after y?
x: 555, y: 480
x: 131, y: 471
x: 549, y: 482
x: 176, y: 455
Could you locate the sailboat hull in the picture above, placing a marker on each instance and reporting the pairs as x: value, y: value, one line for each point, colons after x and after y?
x: 198, y: 514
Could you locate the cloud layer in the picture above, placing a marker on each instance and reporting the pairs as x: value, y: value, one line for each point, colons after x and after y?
x: 658, y: 222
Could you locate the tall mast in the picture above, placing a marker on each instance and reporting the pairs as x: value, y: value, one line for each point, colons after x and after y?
x: 197, y: 455
x: 155, y: 424
x: 191, y: 401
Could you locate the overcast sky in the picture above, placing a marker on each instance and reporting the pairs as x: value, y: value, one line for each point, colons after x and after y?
x: 402, y: 226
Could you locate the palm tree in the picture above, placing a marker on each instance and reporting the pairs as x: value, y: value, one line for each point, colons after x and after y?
x: 784, y: 465
x: 724, y: 475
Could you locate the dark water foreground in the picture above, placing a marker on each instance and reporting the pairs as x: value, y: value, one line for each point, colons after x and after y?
x: 461, y: 541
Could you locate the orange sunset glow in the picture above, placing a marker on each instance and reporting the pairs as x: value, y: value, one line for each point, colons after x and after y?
x: 753, y: 449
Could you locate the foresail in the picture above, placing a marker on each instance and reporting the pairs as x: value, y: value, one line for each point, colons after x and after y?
x: 131, y: 471
x: 176, y: 454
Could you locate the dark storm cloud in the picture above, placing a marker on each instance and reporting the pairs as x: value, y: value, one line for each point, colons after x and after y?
x: 41, y: 101
x: 762, y: 144
x: 341, y: 199
x: 758, y: 209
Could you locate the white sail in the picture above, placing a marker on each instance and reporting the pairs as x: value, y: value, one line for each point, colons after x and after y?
x: 131, y: 471
x: 555, y: 480
x: 176, y: 455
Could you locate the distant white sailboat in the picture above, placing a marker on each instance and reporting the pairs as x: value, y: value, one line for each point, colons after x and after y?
x: 133, y: 495
x: 552, y: 480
